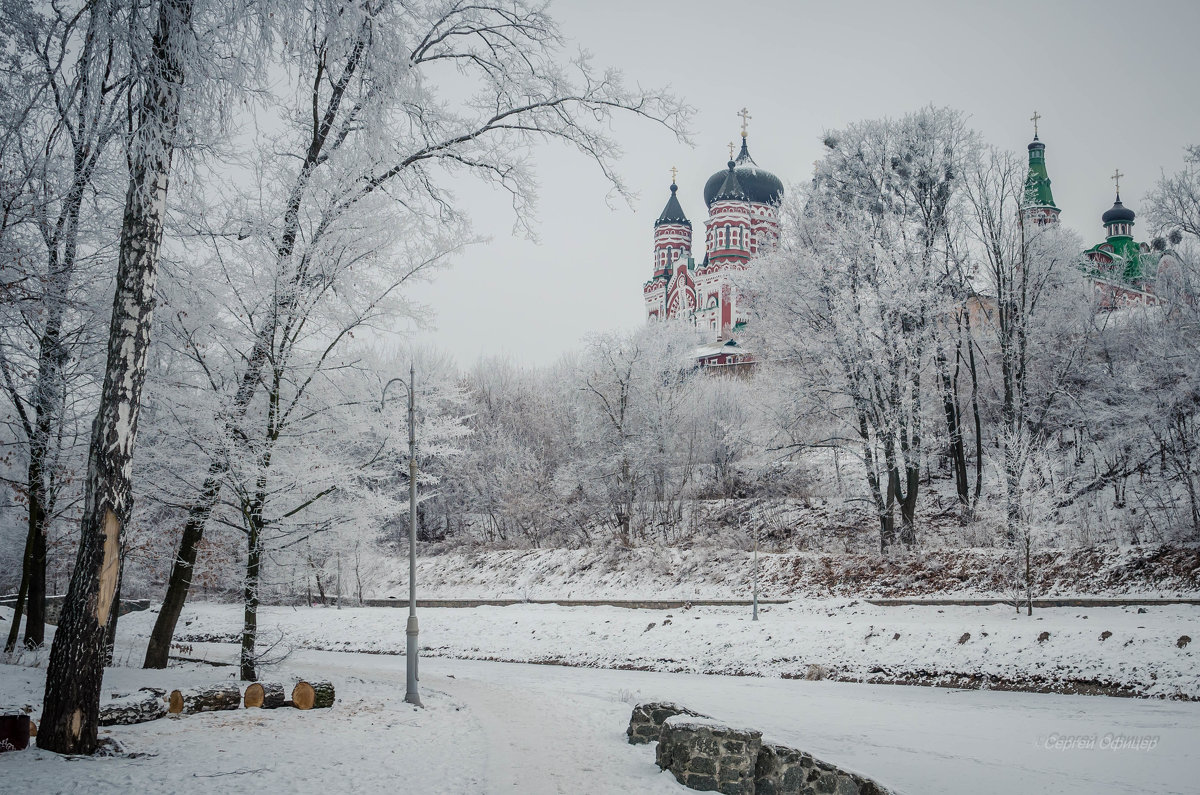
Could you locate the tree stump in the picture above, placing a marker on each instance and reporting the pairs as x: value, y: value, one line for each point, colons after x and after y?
x: 145, y: 705
x: 264, y: 695
x: 14, y: 732
x: 317, y: 694
x: 205, y: 699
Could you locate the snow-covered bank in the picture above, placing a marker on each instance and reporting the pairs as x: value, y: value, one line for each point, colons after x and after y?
x: 1095, y: 650
x: 715, y: 573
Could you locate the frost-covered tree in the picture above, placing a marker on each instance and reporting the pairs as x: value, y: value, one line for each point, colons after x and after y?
x: 855, y: 291
x: 63, y: 108
x: 73, y: 677
x: 383, y: 101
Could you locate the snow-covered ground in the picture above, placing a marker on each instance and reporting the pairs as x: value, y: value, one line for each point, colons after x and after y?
x: 718, y: 573
x: 848, y: 639
x: 505, y: 728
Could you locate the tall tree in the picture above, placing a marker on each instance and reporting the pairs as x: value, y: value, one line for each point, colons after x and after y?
x: 64, y: 133
x: 378, y: 110
x: 863, y: 264
x: 71, y: 704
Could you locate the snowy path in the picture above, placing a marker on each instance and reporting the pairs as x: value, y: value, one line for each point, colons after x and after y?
x: 512, y: 728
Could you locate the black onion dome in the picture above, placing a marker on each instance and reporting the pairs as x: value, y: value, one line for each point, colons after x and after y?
x: 1036, y: 144
x: 731, y: 187
x: 1119, y: 212
x: 673, y: 212
x: 758, y: 184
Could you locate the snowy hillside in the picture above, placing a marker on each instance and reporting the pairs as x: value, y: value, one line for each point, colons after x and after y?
x: 713, y: 573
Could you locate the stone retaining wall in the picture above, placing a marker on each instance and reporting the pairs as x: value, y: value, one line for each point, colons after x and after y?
x: 707, y: 755
x: 645, y: 724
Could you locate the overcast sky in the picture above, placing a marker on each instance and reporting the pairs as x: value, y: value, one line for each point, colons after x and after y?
x: 1115, y: 82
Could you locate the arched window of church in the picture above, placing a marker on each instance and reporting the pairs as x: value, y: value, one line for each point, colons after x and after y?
x: 720, y: 238
x: 728, y: 234
x: 737, y: 238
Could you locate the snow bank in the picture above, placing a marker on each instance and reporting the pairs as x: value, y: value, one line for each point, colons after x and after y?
x: 1112, y: 650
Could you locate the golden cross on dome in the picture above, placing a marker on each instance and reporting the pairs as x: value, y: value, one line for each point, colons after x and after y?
x: 1034, y: 118
x: 745, y: 114
x: 674, y: 171
x: 731, y: 150
x: 1117, y: 179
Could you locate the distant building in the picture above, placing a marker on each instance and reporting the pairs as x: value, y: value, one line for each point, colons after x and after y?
x: 1124, y: 271
x: 743, y: 220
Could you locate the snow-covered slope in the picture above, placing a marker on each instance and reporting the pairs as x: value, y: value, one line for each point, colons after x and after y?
x: 715, y: 573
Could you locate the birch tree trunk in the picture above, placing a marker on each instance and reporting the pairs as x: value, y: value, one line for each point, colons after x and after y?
x: 71, y: 709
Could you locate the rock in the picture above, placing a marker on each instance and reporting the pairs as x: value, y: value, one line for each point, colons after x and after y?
x: 1183, y: 641
x: 645, y: 724
x: 785, y: 771
x: 1045, y: 636
x: 708, y: 755
x: 966, y: 636
x: 1105, y: 635
x: 1141, y: 610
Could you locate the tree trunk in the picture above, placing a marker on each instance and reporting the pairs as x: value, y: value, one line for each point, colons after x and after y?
x: 19, y: 609
x: 146, y: 705
x: 110, y: 631
x: 250, y: 599
x: 70, y: 716
x: 159, y: 647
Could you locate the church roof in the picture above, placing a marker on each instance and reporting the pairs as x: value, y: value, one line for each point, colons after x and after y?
x: 758, y: 184
x: 1118, y: 212
x: 731, y: 188
x: 1037, y: 183
x: 673, y: 212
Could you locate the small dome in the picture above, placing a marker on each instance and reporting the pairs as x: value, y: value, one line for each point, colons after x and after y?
x: 1118, y: 214
x: 673, y: 212
x: 757, y: 184
x: 1036, y: 144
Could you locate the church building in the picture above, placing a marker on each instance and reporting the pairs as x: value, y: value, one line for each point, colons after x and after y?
x: 1124, y: 271
x: 743, y: 220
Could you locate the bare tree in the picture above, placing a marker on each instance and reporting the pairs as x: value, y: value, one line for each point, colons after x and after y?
x: 59, y: 144
x: 73, y: 678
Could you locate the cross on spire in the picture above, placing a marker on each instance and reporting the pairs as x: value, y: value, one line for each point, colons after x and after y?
x: 745, y: 114
x: 731, y: 150
x: 1116, y: 177
x: 1034, y: 118
x: 674, y: 171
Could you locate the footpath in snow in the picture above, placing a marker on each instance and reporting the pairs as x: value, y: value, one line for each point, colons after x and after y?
x: 1109, y: 650
x: 505, y: 728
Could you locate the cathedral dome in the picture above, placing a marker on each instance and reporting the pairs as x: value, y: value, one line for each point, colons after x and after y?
x: 1118, y: 213
x: 757, y: 184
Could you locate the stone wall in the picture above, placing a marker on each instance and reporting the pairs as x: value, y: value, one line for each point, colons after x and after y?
x: 645, y: 724
x: 781, y: 770
x: 707, y: 755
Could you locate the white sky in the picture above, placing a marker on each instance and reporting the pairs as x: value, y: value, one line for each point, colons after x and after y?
x: 1115, y: 83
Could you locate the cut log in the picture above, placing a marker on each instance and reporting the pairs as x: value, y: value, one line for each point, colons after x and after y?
x: 205, y: 699
x: 32, y: 728
x: 265, y: 695
x: 145, y: 705
x: 317, y: 694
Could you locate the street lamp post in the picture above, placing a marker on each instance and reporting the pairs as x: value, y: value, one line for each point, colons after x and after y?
x: 755, y: 616
x: 411, y: 694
